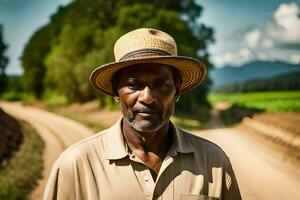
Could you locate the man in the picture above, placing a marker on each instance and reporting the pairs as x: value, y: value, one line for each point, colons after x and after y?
x: 144, y: 156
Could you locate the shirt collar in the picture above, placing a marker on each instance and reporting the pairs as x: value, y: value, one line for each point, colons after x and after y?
x: 115, y: 146
x: 180, y: 140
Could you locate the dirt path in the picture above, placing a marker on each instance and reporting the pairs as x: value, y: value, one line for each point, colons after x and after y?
x: 57, y: 132
x: 262, y: 173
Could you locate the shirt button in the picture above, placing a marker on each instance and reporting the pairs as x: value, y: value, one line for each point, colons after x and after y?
x: 146, y: 178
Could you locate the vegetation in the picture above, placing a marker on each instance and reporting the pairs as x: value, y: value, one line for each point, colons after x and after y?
x: 20, y: 174
x: 236, y: 114
x: 3, y: 62
x: 284, y: 82
x: 11, y: 135
x: 188, y: 123
x: 81, y: 35
x: 288, y: 101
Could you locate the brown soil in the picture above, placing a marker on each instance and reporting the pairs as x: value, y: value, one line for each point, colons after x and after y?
x: 261, y: 161
x: 10, y: 136
x: 289, y: 122
x: 279, y: 130
x: 91, y: 112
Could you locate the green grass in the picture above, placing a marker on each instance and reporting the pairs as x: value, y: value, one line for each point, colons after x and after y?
x: 286, y: 101
x: 17, y: 96
x: 21, y: 173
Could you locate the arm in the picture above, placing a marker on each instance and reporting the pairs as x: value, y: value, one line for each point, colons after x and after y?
x: 61, y: 184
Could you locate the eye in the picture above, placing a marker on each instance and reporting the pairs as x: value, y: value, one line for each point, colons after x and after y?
x: 162, y: 84
x: 134, y: 85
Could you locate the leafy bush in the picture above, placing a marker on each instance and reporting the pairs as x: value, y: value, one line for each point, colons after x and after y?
x: 236, y: 113
x: 53, y: 99
x: 17, y: 96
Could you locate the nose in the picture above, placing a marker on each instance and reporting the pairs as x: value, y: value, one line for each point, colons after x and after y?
x: 146, y: 96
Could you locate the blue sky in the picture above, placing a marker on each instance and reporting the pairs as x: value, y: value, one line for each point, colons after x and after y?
x: 253, y: 30
x: 21, y: 18
x: 244, y: 30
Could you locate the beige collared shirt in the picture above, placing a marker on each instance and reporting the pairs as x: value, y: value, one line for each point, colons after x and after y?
x: 101, y: 167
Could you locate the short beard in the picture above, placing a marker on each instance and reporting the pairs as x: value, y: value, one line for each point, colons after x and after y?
x: 129, y: 116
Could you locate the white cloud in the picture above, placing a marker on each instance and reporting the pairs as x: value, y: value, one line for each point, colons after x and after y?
x: 234, y: 58
x: 284, y: 28
x: 295, y: 58
x: 252, y: 38
x: 279, y: 39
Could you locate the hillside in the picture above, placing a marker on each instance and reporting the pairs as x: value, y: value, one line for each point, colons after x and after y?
x: 250, y: 71
x: 288, y: 81
x: 10, y: 137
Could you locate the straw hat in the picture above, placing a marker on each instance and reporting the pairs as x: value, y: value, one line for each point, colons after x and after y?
x: 147, y: 45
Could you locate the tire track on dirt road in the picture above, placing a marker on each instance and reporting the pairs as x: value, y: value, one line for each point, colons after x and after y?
x: 262, y: 173
x: 57, y: 132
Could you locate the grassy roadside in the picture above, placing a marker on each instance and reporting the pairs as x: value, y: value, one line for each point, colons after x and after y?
x: 247, y: 104
x: 19, y: 177
x: 188, y: 122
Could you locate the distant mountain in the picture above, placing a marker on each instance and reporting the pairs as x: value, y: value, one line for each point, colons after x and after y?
x: 250, y: 71
x: 290, y: 81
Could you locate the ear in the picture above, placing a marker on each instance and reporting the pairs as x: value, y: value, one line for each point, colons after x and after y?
x: 177, y: 94
x: 117, y: 99
x: 177, y: 97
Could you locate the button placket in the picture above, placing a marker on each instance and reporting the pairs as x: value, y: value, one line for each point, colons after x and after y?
x: 148, y: 183
x: 166, y: 163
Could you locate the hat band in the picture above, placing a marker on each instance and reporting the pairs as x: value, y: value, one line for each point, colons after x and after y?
x: 147, y: 52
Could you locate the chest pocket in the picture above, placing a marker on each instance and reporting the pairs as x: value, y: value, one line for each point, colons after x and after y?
x: 196, y: 197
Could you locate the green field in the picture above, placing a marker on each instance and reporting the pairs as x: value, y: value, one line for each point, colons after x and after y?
x: 285, y: 101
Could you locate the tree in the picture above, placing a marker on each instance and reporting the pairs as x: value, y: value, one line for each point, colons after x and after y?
x: 35, y: 52
x: 34, y: 69
x: 85, y: 36
x: 3, y: 62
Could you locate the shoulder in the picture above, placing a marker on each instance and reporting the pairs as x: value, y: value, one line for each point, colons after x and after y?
x: 82, y: 150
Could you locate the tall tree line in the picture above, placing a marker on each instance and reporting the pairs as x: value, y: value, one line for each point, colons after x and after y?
x: 80, y: 36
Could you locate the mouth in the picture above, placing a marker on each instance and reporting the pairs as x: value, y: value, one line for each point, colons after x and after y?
x: 147, y: 113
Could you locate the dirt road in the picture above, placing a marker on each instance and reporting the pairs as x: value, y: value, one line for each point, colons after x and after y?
x: 57, y: 132
x: 262, y: 173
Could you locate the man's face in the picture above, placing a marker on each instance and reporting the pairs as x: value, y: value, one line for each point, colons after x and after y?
x: 147, y: 96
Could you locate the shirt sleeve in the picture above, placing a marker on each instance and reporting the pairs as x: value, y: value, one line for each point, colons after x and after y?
x: 61, y: 183
x: 230, y: 188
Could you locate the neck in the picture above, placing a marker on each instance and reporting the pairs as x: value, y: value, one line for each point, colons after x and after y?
x: 145, y: 143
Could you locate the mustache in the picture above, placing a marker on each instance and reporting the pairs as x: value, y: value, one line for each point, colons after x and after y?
x: 147, y: 109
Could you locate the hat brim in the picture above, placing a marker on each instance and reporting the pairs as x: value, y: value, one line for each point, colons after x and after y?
x: 191, y: 70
